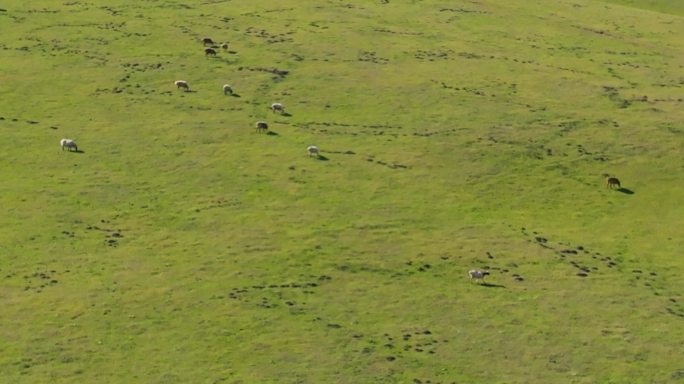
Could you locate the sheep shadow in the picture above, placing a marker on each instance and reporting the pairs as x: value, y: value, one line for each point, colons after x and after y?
x: 322, y: 158
x: 79, y: 151
x: 286, y: 114
x: 272, y: 133
x: 235, y: 95
x: 626, y: 191
x: 490, y: 285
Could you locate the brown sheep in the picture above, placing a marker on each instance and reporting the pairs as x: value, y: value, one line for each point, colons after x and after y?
x: 613, y: 182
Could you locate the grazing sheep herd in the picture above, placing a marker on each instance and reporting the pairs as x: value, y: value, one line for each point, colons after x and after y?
x: 260, y: 126
x: 312, y: 150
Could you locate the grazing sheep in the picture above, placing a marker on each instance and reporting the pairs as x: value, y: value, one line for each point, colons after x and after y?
x: 277, y: 107
x: 478, y: 275
x: 68, y: 144
x: 209, y: 52
x: 182, y: 84
x: 613, y: 182
x: 312, y: 150
x: 261, y: 126
x: 207, y: 41
x: 227, y: 89
x: 224, y: 45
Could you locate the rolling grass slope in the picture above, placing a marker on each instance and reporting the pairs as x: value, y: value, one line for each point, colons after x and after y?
x: 665, y: 6
x: 182, y: 246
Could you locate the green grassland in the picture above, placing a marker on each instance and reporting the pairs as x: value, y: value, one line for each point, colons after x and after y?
x: 181, y: 246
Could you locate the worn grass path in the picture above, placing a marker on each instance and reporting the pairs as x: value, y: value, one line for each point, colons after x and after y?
x: 182, y: 246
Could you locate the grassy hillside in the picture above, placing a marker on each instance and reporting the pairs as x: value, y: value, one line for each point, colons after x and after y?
x: 179, y: 245
x: 665, y: 6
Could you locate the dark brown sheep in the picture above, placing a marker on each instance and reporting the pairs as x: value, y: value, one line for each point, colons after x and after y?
x: 613, y: 182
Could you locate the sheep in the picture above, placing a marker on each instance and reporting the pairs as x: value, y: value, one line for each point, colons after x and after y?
x: 209, y: 52
x: 207, y: 40
x: 68, y: 144
x: 612, y: 182
x: 277, y: 107
x: 312, y: 150
x: 182, y: 84
x: 261, y: 126
x: 227, y: 89
x: 478, y: 275
x: 224, y: 45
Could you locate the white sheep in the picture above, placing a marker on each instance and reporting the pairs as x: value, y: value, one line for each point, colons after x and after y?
x: 227, y: 89
x: 478, y: 275
x: 182, y: 84
x: 277, y: 107
x: 312, y: 150
x: 261, y: 126
x: 68, y: 144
